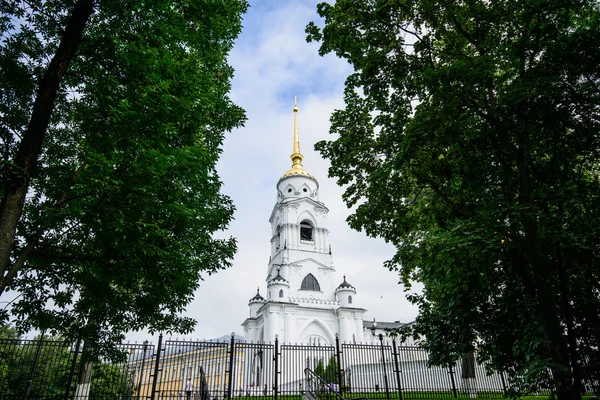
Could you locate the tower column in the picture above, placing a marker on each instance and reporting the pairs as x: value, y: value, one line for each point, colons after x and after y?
x: 273, y: 326
x: 290, y: 325
x: 321, y: 239
x: 360, y: 335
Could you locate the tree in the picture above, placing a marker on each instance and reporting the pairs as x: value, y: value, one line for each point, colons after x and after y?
x: 320, y: 369
x: 20, y: 362
x: 470, y: 141
x: 113, y: 115
x: 52, y: 369
x: 110, y: 381
x: 331, y: 371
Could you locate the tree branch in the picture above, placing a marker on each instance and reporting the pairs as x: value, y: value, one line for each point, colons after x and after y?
x: 17, y: 183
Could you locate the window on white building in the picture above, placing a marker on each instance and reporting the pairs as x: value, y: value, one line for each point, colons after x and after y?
x: 280, y: 293
x: 310, y: 283
x: 306, y: 231
x: 349, y: 299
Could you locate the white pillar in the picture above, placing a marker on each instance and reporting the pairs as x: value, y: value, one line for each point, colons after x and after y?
x: 273, y: 326
x: 349, y: 330
x: 360, y: 335
x: 290, y: 324
x: 322, y: 239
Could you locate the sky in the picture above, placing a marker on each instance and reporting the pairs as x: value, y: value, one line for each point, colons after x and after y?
x: 273, y: 63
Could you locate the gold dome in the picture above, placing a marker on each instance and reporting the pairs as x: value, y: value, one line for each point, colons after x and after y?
x: 297, y: 167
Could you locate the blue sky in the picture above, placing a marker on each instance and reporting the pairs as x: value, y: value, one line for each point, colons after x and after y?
x: 273, y: 63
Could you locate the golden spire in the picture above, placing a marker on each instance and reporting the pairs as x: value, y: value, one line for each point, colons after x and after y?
x: 296, y: 156
x: 297, y: 168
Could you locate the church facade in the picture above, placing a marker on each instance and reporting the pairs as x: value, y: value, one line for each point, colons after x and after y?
x: 303, y: 301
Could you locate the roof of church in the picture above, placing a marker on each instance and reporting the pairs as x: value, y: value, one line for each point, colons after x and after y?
x: 257, y: 296
x: 278, y: 277
x: 297, y: 167
x: 385, y: 325
x: 345, y: 285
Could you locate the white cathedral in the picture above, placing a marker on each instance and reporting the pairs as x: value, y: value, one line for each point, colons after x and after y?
x: 303, y: 302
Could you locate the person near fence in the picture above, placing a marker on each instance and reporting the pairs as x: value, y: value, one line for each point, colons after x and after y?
x: 189, y: 387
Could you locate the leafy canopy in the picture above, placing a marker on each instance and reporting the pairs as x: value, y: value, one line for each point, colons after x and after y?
x: 470, y: 141
x: 112, y: 116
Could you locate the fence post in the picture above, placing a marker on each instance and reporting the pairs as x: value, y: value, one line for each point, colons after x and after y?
x: 339, y: 364
x: 451, y: 372
x: 276, y: 360
x: 34, y: 366
x: 72, y: 371
x: 231, y: 366
x: 156, y: 366
x: 385, y: 378
x: 503, y: 382
x: 142, y: 369
x: 397, y: 369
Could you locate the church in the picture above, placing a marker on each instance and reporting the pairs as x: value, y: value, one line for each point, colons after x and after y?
x: 303, y: 302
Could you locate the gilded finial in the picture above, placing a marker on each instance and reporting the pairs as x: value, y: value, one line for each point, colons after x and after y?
x: 297, y: 168
x: 296, y: 155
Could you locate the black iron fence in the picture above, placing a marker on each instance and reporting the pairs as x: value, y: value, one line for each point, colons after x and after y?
x: 54, y: 369
x: 216, y: 370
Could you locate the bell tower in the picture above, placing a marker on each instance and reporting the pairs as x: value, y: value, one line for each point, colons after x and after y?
x: 303, y: 303
x: 299, y: 229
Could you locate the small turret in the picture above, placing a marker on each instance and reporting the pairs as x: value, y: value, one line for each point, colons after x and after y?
x: 279, y: 287
x: 256, y: 303
x: 345, y: 294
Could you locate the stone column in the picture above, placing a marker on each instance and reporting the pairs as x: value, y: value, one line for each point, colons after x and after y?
x: 360, y: 335
x: 273, y: 326
x: 290, y: 325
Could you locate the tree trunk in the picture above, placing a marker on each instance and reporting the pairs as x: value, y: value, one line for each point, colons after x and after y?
x: 30, y: 147
x: 84, y: 380
x: 546, y: 301
x: 468, y: 377
x: 569, y: 319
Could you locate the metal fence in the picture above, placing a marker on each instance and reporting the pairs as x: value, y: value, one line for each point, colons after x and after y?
x: 215, y: 370
x: 54, y: 369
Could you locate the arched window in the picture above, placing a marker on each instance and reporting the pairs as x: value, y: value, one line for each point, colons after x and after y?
x: 349, y: 299
x: 281, y: 293
x: 278, y: 237
x: 310, y: 283
x: 306, y: 231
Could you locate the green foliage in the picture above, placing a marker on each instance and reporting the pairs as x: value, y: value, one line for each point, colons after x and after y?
x: 123, y: 199
x: 110, y: 381
x: 331, y: 371
x: 51, y: 370
x: 470, y: 141
x: 51, y: 374
x: 320, y: 369
x: 8, y: 331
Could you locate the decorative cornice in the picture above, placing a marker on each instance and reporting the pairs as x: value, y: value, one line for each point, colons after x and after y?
x: 312, y: 300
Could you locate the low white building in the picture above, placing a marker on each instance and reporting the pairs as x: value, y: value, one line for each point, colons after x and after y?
x: 303, y: 302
